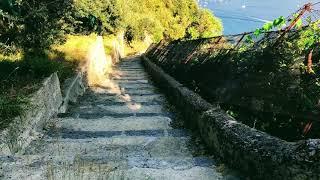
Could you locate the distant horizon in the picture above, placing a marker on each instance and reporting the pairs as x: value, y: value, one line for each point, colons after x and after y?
x: 246, y: 15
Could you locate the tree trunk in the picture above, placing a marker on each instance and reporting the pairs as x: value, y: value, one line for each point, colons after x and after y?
x: 309, y: 65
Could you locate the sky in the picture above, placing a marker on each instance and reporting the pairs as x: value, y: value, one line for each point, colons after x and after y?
x: 246, y: 15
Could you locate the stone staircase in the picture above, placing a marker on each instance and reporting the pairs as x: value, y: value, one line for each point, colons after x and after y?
x: 119, y: 130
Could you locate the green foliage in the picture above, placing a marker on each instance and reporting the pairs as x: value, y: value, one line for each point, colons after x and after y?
x: 205, y: 25
x: 100, y: 16
x: 310, y: 37
x: 32, y: 25
x: 276, y: 24
x: 172, y: 19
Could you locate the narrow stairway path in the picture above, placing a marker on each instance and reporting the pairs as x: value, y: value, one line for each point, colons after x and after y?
x: 119, y: 130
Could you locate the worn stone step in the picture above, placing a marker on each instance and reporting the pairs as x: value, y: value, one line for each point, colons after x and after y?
x: 115, y: 124
x: 138, y: 82
x: 129, y: 73
x: 123, y: 98
x: 119, y: 88
x: 105, y: 167
x: 116, y: 109
x: 110, y: 103
x: 133, y: 71
x: 137, y: 63
x: 76, y: 134
x: 119, y: 146
x: 130, y: 91
x: 96, y: 115
x: 130, y: 63
x: 130, y: 67
x: 137, y: 85
x: 137, y: 159
x: 130, y: 78
x: 93, y: 171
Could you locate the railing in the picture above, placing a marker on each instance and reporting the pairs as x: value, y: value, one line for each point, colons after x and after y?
x: 221, y: 46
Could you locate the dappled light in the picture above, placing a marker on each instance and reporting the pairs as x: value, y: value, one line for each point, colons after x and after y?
x: 98, y: 63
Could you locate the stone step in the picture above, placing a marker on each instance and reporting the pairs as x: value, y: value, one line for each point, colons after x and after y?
x: 117, y: 146
x: 123, y: 98
x: 115, y: 124
x: 129, y: 73
x: 137, y: 85
x: 110, y: 103
x: 116, y: 109
x: 127, y: 93
x: 121, y: 67
x: 105, y: 167
x: 76, y: 134
x: 119, y: 88
x: 130, y: 78
x: 132, y: 71
x: 130, y: 65
x: 124, y: 91
x: 138, y: 82
x: 96, y: 115
x: 130, y: 62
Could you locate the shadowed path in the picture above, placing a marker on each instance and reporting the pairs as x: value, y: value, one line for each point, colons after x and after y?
x: 119, y: 130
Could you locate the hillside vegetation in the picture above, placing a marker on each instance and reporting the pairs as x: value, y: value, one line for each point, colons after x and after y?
x: 34, y: 26
x: 171, y: 19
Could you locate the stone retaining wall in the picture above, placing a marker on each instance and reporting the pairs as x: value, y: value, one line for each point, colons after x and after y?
x: 73, y: 88
x: 255, y: 153
x: 44, y: 104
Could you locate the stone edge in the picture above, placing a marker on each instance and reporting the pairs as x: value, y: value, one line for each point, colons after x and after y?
x: 73, y: 87
x: 255, y: 153
x: 45, y: 103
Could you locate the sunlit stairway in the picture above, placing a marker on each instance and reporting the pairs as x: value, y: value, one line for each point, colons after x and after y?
x: 118, y: 130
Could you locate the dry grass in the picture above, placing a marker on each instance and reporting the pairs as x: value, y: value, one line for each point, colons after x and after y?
x: 136, y: 47
x: 76, y: 48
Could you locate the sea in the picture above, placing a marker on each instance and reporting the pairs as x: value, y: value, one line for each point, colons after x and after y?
x: 240, y: 16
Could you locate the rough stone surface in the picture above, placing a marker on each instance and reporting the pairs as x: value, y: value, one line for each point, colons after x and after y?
x: 43, y: 105
x: 110, y: 134
x: 73, y: 88
x: 256, y: 153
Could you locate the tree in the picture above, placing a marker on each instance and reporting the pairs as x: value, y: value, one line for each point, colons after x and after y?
x: 33, y: 25
x: 205, y: 25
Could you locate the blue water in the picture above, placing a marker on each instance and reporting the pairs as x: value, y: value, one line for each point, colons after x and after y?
x: 246, y: 15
